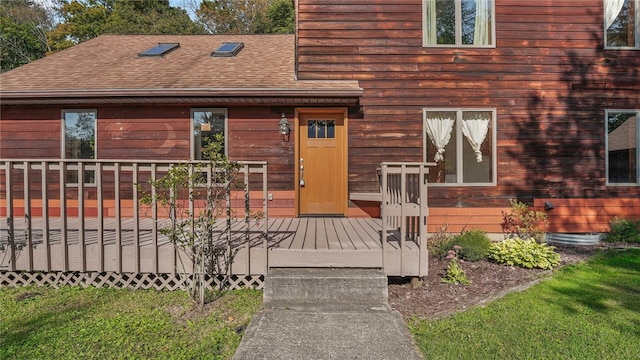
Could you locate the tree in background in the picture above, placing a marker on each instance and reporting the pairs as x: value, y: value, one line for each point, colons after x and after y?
x: 80, y: 21
x: 150, y: 17
x: 246, y: 16
x: 85, y: 19
x: 23, y: 32
x: 281, y: 18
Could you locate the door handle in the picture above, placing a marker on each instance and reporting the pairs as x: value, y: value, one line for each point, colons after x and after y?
x: 301, y: 172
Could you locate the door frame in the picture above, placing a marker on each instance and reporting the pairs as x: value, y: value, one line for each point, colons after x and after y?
x: 296, y: 164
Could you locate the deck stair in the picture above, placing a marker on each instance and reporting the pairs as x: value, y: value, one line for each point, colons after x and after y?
x: 326, y: 313
x: 293, y: 288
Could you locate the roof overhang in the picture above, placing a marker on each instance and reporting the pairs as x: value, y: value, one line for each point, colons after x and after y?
x: 239, y: 96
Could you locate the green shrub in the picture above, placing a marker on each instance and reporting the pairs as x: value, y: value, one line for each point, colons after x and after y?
x: 524, y: 253
x: 624, y: 230
x: 455, y: 274
x: 474, y: 245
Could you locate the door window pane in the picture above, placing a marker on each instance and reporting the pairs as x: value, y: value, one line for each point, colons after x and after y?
x: 322, y: 129
x: 311, y: 132
x: 331, y: 129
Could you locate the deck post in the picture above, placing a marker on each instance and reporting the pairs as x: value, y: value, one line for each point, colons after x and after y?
x: 154, y: 216
x: 265, y: 209
x: 384, y: 212
x: 45, y: 214
x: 10, y: 214
x: 422, y: 221
x: 247, y: 218
x: 116, y: 180
x: 81, y: 242
x: 26, y: 176
x: 403, y: 202
x: 63, y: 216
x: 136, y: 217
x: 100, y: 217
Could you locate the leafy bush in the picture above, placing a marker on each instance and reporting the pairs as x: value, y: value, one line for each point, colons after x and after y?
x: 624, y: 230
x: 455, y: 274
x: 474, y: 245
x: 524, y: 253
x: 523, y: 222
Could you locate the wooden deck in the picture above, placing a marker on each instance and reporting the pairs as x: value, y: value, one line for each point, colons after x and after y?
x: 139, y: 247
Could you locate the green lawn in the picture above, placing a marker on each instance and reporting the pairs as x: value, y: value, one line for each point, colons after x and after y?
x: 586, y: 311
x: 76, y: 323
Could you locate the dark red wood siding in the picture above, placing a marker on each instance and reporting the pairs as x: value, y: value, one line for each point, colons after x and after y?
x: 548, y: 77
x: 150, y: 132
x: 31, y: 132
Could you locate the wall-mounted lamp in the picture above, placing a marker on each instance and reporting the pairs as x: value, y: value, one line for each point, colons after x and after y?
x: 548, y: 205
x: 284, y: 127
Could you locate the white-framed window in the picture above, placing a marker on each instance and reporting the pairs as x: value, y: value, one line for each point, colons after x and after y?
x: 462, y: 142
x: 207, y: 125
x: 622, y: 138
x: 458, y: 23
x: 79, y: 141
x: 622, y: 24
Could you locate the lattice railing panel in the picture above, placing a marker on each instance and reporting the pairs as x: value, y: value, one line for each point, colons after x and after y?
x: 134, y: 281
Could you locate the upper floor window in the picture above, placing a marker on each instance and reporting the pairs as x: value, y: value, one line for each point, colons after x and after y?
x: 462, y: 143
x: 621, y: 23
x: 79, y: 142
x: 458, y: 23
x: 208, y: 125
x: 623, y: 155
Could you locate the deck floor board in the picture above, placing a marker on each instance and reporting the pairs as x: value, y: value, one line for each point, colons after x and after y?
x: 328, y: 237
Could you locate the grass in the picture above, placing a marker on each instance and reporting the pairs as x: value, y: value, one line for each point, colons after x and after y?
x: 586, y: 311
x: 92, y: 323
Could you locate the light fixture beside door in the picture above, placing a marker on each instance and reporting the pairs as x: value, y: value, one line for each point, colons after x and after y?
x: 284, y: 128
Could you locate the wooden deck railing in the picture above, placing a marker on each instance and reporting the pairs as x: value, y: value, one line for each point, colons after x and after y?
x: 42, y: 192
x: 404, y: 206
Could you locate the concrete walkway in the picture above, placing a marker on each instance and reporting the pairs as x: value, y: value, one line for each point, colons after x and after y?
x: 326, y: 329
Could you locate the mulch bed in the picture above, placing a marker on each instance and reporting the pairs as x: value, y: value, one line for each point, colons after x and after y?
x: 489, y: 281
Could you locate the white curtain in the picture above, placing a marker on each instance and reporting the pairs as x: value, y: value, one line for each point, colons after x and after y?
x: 439, y: 131
x: 431, y: 22
x: 611, y: 11
x: 483, y: 16
x: 475, y: 130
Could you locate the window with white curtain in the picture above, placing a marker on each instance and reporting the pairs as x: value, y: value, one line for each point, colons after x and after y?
x: 458, y: 23
x: 623, y: 154
x: 622, y: 24
x: 462, y: 144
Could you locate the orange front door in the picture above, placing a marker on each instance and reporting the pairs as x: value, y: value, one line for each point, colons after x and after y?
x: 322, y: 162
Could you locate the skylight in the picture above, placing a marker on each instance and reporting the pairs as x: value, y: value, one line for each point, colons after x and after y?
x: 228, y: 49
x: 160, y: 50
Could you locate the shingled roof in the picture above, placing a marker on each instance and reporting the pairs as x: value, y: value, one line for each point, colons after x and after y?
x: 109, y: 69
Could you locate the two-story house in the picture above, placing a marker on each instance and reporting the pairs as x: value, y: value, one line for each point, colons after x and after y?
x: 537, y: 101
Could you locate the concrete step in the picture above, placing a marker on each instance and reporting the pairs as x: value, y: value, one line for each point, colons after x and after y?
x: 339, y: 286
